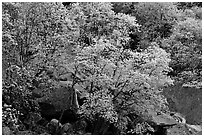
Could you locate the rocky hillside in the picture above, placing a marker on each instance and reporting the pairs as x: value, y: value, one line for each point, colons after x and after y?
x: 186, y: 101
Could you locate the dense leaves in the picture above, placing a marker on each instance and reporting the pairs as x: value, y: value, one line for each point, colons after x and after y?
x: 188, y: 5
x: 156, y: 20
x: 120, y: 55
x: 118, y: 79
x: 32, y: 34
x: 176, y: 27
x: 185, y: 46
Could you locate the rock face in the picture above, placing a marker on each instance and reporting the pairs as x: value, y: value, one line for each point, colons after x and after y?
x: 64, y: 97
x: 187, y: 101
x: 47, y: 110
x: 61, y: 101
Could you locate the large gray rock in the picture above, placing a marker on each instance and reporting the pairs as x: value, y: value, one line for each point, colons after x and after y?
x: 163, y: 119
x: 67, y: 128
x: 58, y: 100
x: 185, y: 100
x: 61, y: 98
x: 47, y: 109
x: 54, y: 126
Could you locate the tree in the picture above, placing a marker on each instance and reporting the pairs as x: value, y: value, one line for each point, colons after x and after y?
x: 35, y: 39
x: 185, y: 47
x: 43, y: 40
x: 96, y: 20
x: 38, y: 32
x: 124, y: 7
x: 170, y: 23
x: 155, y: 19
x: 188, y: 5
x: 117, y: 80
x: 120, y: 81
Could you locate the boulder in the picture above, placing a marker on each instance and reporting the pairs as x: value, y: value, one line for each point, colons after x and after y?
x: 161, y: 122
x: 64, y: 101
x: 47, y: 110
x: 164, y: 120
x: 67, y: 128
x: 61, y: 98
x: 54, y: 126
x: 54, y: 123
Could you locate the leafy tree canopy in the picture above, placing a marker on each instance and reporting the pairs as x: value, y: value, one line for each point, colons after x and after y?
x: 117, y: 80
x: 95, y: 43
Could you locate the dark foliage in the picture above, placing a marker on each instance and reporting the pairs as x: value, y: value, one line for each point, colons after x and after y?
x: 188, y: 5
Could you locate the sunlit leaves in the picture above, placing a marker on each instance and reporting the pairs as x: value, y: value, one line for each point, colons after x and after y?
x: 97, y: 20
x: 129, y: 80
x: 41, y: 37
